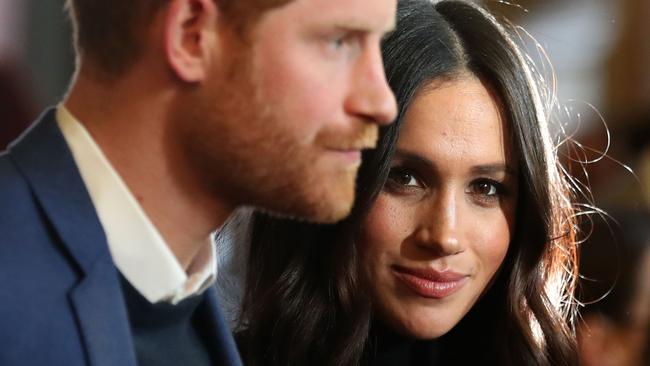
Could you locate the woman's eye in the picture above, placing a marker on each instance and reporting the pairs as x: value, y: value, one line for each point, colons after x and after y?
x: 404, y: 178
x: 485, y: 188
x: 486, y: 191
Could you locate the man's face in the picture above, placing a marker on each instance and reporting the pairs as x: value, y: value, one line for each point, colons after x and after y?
x: 282, y: 119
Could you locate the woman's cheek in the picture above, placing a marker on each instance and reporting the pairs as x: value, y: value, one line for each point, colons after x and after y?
x: 385, y: 227
x: 495, y: 240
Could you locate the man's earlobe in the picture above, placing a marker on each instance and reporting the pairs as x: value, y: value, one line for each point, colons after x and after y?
x: 190, y: 37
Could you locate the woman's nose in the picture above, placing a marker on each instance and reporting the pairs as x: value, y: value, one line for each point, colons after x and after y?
x: 439, y: 226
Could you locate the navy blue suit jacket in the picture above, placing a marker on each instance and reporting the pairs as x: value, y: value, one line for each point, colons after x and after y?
x: 61, y: 302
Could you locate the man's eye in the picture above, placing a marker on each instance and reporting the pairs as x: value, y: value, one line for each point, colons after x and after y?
x: 339, y: 42
x: 347, y: 42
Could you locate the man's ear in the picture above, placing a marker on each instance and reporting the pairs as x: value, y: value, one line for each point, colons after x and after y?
x: 190, y: 38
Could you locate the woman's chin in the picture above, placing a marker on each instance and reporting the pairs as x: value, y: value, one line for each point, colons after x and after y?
x: 424, y: 330
x: 427, y: 334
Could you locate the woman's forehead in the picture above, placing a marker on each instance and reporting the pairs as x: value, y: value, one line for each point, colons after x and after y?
x: 461, y: 117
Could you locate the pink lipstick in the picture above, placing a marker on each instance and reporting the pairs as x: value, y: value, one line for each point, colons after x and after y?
x: 430, y: 283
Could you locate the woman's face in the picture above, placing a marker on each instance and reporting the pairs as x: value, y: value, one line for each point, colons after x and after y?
x: 438, y: 232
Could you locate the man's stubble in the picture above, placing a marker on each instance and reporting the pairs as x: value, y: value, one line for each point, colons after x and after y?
x: 248, y: 154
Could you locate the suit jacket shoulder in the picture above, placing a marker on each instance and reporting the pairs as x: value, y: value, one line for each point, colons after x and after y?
x: 60, y: 300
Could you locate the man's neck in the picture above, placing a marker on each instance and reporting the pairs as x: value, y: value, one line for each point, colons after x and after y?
x: 130, y: 122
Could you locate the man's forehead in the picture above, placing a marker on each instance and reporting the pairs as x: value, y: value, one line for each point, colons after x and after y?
x: 362, y: 15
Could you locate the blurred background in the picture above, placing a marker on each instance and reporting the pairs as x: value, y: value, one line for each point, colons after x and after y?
x: 600, y: 56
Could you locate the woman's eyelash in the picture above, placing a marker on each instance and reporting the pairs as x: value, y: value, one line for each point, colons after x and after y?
x: 488, y: 190
x: 485, y: 191
x: 403, y: 178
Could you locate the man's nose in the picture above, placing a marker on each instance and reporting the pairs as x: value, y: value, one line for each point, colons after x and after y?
x: 371, y: 97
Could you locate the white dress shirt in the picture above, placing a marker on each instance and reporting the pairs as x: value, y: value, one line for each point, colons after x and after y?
x: 137, y: 247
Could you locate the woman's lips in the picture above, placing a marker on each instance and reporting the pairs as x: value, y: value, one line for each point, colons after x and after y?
x: 430, y: 283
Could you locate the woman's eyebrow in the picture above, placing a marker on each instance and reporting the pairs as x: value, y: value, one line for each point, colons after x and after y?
x: 493, y: 168
x: 414, y: 158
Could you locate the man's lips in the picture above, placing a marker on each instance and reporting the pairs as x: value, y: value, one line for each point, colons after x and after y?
x: 352, y: 147
x: 352, y: 155
x: 350, y: 151
x: 430, y: 283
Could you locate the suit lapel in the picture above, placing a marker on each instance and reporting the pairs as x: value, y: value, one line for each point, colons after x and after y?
x: 220, y: 339
x: 99, y: 303
x: 44, y: 159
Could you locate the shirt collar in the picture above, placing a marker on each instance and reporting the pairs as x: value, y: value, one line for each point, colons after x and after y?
x: 137, y: 247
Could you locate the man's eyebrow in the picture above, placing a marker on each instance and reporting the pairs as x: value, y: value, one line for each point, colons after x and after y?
x: 357, y: 25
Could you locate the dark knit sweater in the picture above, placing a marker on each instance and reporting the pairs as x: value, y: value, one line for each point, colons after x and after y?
x: 387, y: 348
x: 166, y: 334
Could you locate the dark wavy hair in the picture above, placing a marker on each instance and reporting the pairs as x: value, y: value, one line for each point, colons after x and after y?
x: 305, y: 303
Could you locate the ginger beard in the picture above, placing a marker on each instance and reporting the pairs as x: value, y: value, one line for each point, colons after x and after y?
x: 251, y: 143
